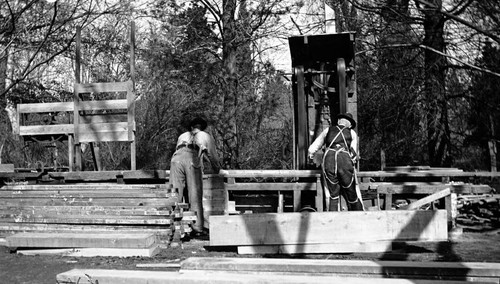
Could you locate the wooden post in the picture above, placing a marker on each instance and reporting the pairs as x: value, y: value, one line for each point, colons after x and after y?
x: 131, y: 100
x: 76, y: 101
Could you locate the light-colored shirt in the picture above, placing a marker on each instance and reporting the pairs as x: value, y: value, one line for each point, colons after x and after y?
x: 203, y: 140
x: 320, y: 141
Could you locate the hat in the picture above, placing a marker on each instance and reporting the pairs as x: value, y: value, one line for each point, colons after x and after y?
x: 200, y: 122
x: 347, y: 116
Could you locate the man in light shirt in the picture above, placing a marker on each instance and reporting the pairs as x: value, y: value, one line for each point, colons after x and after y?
x: 341, y: 142
x: 186, y: 167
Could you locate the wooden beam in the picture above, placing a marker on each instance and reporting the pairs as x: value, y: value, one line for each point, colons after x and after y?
x: 79, y: 240
x: 317, y: 228
x: 428, y: 199
x: 430, y: 189
x: 46, y: 107
x: 95, y: 252
x: 464, y: 271
x: 108, y: 87
x: 267, y: 186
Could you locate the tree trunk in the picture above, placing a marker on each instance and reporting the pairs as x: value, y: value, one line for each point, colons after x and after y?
x: 438, y: 131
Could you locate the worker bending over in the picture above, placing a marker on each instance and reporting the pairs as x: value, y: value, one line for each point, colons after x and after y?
x: 338, y: 161
x: 186, y: 167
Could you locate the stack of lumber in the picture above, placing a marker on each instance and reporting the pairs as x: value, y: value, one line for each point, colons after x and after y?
x: 479, y: 212
x: 326, y: 232
x: 284, y: 270
x: 92, y: 208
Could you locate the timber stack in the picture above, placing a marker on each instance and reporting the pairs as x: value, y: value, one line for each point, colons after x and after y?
x: 93, y: 208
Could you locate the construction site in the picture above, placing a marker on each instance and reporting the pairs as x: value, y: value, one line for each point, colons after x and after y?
x: 420, y: 224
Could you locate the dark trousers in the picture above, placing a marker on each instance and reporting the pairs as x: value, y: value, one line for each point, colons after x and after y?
x: 338, y: 171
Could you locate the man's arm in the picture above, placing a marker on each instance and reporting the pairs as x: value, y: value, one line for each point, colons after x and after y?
x: 318, y: 143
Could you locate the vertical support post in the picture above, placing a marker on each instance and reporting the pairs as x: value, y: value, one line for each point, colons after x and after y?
x: 297, y: 197
x: 76, y: 101
x: 342, y: 91
x: 319, y: 195
x: 300, y: 120
x: 131, y: 100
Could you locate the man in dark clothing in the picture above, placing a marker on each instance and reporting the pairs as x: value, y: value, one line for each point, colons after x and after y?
x: 339, y: 156
x: 186, y: 166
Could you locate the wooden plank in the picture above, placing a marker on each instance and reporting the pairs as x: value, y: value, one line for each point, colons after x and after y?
x: 269, y: 173
x: 428, y: 199
x: 9, y: 168
x: 87, y: 210
x: 316, y: 227
x: 95, y: 252
x: 103, y: 118
x: 90, y: 220
x: 349, y: 247
x: 430, y: 189
x: 205, y: 277
x: 12, y: 228
x: 75, y: 201
x: 372, y: 269
x: 104, y: 136
x: 45, y: 107
x: 102, y: 105
x: 85, y: 194
x: 81, y: 240
x: 33, y: 130
x: 86, y: 187
x: 266, y: 186
x: 108, y: 87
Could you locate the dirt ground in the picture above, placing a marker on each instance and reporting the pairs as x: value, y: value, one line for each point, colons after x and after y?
x: 466, y: 247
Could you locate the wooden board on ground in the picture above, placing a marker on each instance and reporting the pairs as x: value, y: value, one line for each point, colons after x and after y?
x: 328, y: 227
x: 93, y: 252
x: 206, y: 277
x: 81, y: 240
x: 465, y: 271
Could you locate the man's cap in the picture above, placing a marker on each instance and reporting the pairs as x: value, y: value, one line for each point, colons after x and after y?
x: 198, y: 121
x: 349, y: 117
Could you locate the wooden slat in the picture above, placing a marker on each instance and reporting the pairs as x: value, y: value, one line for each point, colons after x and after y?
x: 310, y: 186
x: 103, y: 118
x: 108, y: 240
x: 128, y: 220
x: 102, y: 105
x: 45, y: 107
x: 33, y: 130
x: 430, y: 189
x: 86, y: 210
x: 104, y: 136
x: 103, y: 87
x: 86, y: 187
x: 162, y: 202
x: 317, y: 228
x: 82, y: 194
x: 428, y: 199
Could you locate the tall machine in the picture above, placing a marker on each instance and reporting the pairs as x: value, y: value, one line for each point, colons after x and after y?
x: 324, y: 85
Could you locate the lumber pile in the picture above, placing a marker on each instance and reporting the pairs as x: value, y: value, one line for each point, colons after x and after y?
x: 479, y: 211
x: 94, y: 208
x: 326, y: 232
x: 285, y: 270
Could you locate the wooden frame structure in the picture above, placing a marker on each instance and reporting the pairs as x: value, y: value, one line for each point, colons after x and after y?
x: 88, y: 121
